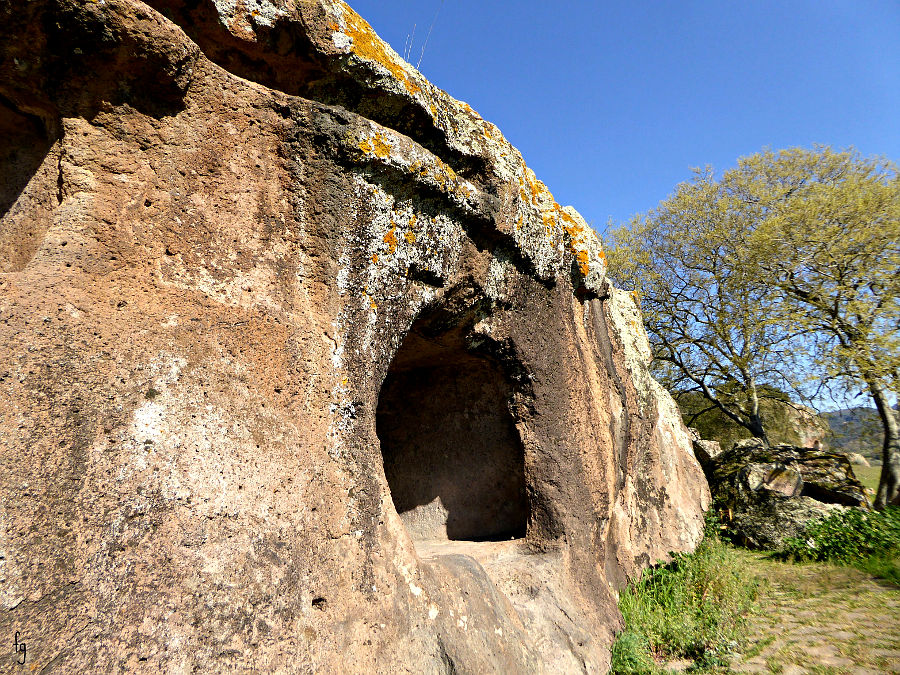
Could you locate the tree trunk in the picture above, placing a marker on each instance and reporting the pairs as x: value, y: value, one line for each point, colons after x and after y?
x: 755, y: 426
x: 889, y: 485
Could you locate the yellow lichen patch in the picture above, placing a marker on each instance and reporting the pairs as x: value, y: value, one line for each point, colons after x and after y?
x: 391, y: 238
x: 531, y: 188
x: 367, y: 45
x: 382, y: 149
x: 412, y: 222
x: 374, y: 258
x: 549, y: 222
x: 372, y: 304
x: 410, y: 237
x: 377, y: 145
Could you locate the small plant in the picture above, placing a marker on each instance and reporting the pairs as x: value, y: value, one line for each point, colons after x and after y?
x: 631, y: 655
x: 693, y: 607
x: 867, y: 540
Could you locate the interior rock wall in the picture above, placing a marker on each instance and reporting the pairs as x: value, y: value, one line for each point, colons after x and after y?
x: 226, y: 227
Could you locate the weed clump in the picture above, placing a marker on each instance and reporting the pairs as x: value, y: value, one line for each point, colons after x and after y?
x: 694, y: 607
x: 869, y: 541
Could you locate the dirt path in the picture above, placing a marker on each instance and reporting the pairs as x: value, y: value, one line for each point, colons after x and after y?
x: 821, y: 619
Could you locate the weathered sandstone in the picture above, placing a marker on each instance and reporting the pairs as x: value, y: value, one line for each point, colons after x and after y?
x: 302, y: 368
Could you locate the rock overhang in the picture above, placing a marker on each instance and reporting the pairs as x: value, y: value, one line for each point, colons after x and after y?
x: 254, y: 254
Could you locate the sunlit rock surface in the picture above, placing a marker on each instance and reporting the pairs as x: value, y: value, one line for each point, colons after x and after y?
x: 302, y: 367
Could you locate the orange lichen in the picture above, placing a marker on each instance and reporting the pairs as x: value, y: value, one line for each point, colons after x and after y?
x: 372, y: 305
x: 549, y: 222
x: 391, y: 238
x: 367, y: 45
x: 583, y: 262
x: 410, y: 237
x: 374, y: 258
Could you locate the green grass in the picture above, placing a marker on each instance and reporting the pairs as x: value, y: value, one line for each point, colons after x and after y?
x: 693, y: 608
x: 868, y: 476
x: 868, y: 541
x: 885, y: 567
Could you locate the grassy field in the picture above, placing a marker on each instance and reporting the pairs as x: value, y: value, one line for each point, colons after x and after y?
x: 818, y: 618
x: 868, y: 476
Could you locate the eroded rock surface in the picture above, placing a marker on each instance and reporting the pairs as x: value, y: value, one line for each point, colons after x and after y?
x: 302, y: 368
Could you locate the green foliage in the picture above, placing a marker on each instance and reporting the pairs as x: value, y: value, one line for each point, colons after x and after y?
x: 785, y: 271
x: 693, y: 607
x: 706, y: 315
x: 885, y: 567
x: 631, y: 654
x: 870, y: 541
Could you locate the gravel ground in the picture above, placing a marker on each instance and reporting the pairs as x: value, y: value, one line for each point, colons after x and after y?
x: 815, y: 618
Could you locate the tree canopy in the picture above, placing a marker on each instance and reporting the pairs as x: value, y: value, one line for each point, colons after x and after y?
x: 784, y: 272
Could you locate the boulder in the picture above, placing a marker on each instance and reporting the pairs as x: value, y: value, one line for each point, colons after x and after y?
x: 704, y: 450
x: 785, y: 421
x: 766, y: 494
x: 301, y: 367
x: 857, y: 459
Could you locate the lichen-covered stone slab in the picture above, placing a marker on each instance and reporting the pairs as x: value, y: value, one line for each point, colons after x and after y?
x: 766, y: 494
x: 250, y: 261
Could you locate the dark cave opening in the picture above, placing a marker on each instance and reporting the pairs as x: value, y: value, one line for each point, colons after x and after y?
x: 453, y: 458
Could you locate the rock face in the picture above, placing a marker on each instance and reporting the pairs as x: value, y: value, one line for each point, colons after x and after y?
x: 302, y: 368
x: 765, y: 495
x: 786, y: 422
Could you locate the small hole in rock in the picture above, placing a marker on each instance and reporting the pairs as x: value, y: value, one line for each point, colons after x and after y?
x: 320, y: 604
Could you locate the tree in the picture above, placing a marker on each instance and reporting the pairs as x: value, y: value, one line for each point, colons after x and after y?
x: 706, y: 314
x: 790, y: 261
x: 830, y: 247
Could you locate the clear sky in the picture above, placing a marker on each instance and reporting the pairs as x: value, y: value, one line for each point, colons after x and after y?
x: 612, y: 103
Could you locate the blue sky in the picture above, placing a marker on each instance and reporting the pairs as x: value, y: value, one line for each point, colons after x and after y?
x: 613, y: 103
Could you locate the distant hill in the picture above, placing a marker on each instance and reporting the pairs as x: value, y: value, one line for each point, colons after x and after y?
x: 856, y: 430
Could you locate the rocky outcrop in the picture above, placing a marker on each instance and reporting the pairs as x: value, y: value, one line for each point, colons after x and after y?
x: 302, y: 368
x: 704, y: 450
x: 785, y: 422
x: 765, y: 495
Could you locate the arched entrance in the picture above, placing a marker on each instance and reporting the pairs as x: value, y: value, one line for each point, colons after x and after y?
x: 452, y: 455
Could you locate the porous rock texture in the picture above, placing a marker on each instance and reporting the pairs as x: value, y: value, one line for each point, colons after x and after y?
x: 302, y: 368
